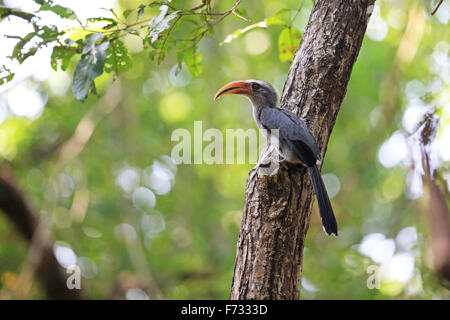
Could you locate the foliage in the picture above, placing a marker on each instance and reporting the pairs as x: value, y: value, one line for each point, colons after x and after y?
x: 98, y: 172
x: 90, y: 66
x: 288, y: 42
x: 156, y: 34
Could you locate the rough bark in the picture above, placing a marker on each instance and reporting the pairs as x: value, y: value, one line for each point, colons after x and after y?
x: 278, y: 207
x: 41, y: 258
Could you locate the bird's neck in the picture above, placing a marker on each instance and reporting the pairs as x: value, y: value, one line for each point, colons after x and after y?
x: 257, y: 114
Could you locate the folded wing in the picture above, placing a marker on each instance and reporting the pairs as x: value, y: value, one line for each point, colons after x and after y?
x: 293, y: 133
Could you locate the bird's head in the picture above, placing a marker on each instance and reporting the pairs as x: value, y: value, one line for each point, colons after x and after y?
x: 261, y: 93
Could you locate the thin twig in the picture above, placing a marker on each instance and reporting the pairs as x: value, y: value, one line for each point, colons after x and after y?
x: 225, y: 14
x: 437, y: 7
x: 180, y: 14
x: 201, y: 5
x: 168, y: 34
x: 296, y: 14
x: 239, y: 16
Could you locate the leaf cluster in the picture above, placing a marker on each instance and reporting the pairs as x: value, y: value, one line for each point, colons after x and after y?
x: 156, y: 23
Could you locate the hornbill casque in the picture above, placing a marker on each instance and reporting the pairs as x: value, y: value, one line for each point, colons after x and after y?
x: 296, y: 143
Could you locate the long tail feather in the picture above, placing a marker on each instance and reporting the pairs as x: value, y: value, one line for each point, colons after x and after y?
x: 326, y: 211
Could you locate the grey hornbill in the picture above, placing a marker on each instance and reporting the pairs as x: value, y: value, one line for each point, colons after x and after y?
x: 296, y: 143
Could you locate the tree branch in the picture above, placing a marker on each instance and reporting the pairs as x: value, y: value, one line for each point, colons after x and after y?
x: 5, y: 12
x: 41, y: 258
x: 437, y: 7
x: 278, y: 207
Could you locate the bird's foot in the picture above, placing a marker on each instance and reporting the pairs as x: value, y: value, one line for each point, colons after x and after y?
x: 284, y: 164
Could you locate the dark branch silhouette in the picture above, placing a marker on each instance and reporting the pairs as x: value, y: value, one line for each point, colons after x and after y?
x: 26, y: 221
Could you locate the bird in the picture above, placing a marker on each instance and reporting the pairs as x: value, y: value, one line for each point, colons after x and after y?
x: 296, y: 143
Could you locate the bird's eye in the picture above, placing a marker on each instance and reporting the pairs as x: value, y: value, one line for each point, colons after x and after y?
x: 255, y: 86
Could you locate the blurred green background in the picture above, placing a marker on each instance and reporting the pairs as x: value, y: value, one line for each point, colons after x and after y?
x: 100, y: 172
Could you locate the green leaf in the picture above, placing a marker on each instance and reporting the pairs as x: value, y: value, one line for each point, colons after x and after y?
x: 61, y: 11
x: 160, y: 23
x: 20, y: 53
x: 47, y: 34
x: 90, y: 42
x: 5, y: 75
x: 282, y: 18
x: 241, y: 13
x: 152, y: 54
x: 193, y: 61
x: 127, y: 12
x: 17, y: 52
x: 117, y: 57
x: 61, y: 56
x: 114, y: 13
x: 109, y: 26
x: 141, y: 9
x: 288, y: 42
x: 180, y: 56
x: 90, y: 66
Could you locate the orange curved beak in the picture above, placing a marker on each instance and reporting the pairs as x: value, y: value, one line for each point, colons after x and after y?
x: 235, y: 87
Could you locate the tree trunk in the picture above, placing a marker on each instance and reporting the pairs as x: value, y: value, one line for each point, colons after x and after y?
x: 278, y: 207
